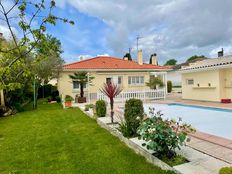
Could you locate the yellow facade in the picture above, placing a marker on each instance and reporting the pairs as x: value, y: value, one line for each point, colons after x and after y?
x: 208, y: 85
x: 65, y: 84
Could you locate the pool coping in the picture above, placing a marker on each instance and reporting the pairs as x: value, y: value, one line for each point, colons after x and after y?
x: 192, y: 104
x: 224, y: 142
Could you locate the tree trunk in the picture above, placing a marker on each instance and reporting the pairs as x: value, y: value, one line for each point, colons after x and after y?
x: 112, y: 110
x: 82, y: 90
x: 2, y: 97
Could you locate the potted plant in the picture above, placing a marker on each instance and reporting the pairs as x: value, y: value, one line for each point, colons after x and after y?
x: 82, y: 78
x: 68, y: 101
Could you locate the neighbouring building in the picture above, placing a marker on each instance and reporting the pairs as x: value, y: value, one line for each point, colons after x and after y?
x: 130, y: 75
x: 175, y: 76
x: 208, y: 80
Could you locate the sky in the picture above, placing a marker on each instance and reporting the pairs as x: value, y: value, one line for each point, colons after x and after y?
x: 171, y: 28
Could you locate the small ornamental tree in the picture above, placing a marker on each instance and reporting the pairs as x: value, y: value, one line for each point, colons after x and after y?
x: 111, y: 90
x: 82, y: 78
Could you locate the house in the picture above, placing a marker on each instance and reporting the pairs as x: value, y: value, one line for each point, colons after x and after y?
x: 208, y: 80
x: 174, y: 74
x: 130, y: 75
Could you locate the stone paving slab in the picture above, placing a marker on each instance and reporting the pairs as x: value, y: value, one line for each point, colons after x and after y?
x: 215, y: 150
x: 199, y: 163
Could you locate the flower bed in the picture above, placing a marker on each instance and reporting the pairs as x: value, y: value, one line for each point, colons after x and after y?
x: 140, y: 145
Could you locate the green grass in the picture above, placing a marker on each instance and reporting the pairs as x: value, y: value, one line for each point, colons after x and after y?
x: 53, y: 140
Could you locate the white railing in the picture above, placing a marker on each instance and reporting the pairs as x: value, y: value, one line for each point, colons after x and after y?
x: 143, y: 95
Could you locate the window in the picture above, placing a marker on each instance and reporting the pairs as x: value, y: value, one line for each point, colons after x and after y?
x: 141, y: 79
x: 108, y: 80
x: 190, y: 82
x: 76, y: 85
x: 136, y: 80
x: 119, y: 80
x: 129, y: 80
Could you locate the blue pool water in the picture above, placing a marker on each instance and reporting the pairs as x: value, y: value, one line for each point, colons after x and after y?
x: 210, y: 120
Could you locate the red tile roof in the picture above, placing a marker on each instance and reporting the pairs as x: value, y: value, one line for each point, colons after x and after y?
x: 105, y: 62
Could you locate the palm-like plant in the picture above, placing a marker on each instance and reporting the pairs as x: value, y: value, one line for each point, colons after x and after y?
x: 154, y: 81
x: 82, y: 78
x: 111, y: 90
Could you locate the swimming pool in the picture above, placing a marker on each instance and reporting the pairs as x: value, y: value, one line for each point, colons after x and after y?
x: 209, y: 120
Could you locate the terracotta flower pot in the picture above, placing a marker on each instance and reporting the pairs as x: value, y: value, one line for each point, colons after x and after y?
x: 68, y: 104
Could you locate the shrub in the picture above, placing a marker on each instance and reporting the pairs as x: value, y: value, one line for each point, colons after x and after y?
x: 169, y: 86
x: 163, y: 136
x: 49, y: 98
x: 124, y: 129
x: 225, y: 170
x: 101, y: 108
x: 54, y: 95
x: 58, y: 99
x: 17, y: 107
x: 87, y: 107
x: 133, y: 115
x: 91, y: 106
x: 68, y: 98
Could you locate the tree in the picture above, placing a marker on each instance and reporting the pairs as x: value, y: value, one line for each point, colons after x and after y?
x: 16, y: 76
x: 154, y: 82
x: 195, y: 58
x: 48, y: 62
x: 111, y: 90
x: 128, y: 55
x: 82, y: 78
x: 171, y: 62
x: 27, y: 13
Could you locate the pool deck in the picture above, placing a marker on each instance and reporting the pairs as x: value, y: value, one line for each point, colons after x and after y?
x: 214, y: 146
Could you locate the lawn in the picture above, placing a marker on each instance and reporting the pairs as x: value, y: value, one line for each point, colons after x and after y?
x: 53, y: 140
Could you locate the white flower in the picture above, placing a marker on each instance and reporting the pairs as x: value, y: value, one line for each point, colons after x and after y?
x: 151, y: 130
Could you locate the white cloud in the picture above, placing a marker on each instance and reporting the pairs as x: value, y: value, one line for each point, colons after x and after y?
x: 173, y: 28
x: 6, y: 32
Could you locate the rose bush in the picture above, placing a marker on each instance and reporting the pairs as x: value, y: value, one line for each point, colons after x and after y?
x: 162, y: 135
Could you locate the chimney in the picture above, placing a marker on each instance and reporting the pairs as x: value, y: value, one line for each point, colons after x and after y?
x: 221, y: 53
x: 140, y: 57
x: 154, y: 59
